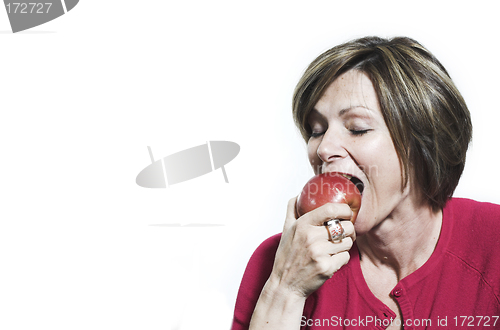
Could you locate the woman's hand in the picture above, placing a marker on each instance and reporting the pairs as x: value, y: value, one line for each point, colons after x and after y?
x: 306, y: 258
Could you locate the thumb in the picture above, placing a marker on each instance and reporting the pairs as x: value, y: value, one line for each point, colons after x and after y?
x: 291, y: 214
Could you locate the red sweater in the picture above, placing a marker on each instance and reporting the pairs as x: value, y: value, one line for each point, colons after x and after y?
x: 459, y: 286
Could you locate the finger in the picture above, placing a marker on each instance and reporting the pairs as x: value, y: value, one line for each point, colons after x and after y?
x: 339, y: 260
x: 327, y: 212
x: 343, y: 246
x: 313, y: 234
x: 326, y: 248
x: 290, y: 213
x: 328, y: 266
x: 348, y: 229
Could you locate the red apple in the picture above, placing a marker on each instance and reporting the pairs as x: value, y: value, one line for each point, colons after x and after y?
x: 329, y: 187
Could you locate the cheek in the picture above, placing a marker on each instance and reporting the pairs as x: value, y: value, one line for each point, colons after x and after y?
x: 312, y: 154
x: 384, y: 170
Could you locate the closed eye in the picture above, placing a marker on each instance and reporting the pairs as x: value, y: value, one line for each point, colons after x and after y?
x: 316, y: 134
x: 359, y: 132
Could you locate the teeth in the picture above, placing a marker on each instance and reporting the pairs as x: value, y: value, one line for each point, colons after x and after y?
x: 356, y: 182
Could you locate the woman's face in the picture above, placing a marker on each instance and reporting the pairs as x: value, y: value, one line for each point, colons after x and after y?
x: 349, y: 135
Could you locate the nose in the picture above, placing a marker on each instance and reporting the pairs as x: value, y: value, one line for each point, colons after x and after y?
x: 331, y: 147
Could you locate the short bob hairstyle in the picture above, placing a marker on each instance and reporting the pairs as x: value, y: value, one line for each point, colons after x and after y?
x: 427, y: 117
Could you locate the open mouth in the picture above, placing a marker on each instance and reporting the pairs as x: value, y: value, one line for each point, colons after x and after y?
x: 357, y: 182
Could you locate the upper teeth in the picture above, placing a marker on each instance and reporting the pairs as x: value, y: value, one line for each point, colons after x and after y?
x: 347, y: 176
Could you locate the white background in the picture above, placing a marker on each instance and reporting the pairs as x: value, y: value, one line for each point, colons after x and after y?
x: 81, y: 97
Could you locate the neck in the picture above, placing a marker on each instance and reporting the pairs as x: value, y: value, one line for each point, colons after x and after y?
x: 403, y: 242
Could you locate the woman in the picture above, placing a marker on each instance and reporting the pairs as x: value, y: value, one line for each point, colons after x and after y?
x: 387, y: 113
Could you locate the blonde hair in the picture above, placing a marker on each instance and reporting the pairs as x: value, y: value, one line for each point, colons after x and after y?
x: 427, y: 117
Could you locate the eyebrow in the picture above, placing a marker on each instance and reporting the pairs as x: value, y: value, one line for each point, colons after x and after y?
x: 342, y: 111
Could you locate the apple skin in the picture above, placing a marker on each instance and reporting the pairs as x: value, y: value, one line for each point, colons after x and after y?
x: 329, y: 187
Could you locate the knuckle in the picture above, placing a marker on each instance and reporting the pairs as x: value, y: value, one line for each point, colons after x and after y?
x: 331, y: 210
x: 291, y: 229
x: 315, y: 252
x: 300, y: 226
x: 323, y: 268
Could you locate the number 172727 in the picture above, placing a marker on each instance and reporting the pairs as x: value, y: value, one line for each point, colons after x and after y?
x: 28, y: 7
x: 471, y: 321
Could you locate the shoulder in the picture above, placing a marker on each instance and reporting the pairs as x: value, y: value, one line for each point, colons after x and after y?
x: 476, y: 223
x: 261, y: 262
x: 473, y: 218
x: 463, y: 207
x: 256, y: 274
x: 475, y: 237
x: 267, y: 249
